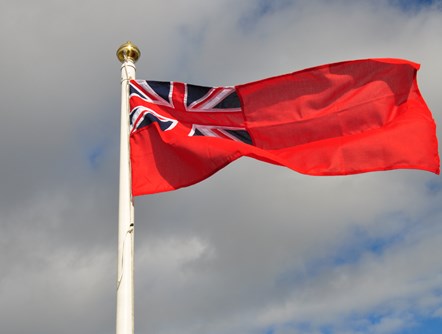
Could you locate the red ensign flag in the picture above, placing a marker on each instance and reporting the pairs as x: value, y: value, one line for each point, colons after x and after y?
x: 337, y: 119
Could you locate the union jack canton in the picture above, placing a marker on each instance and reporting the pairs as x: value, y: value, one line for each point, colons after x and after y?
x: 194, y: 110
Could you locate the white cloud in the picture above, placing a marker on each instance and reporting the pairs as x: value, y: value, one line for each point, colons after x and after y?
x: 255, y: 248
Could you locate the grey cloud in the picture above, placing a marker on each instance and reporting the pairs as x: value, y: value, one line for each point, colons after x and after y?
x: 254, y: 247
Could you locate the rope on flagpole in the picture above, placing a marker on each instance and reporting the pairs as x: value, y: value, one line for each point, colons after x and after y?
x: 120, y: 278
x: 126, y: 78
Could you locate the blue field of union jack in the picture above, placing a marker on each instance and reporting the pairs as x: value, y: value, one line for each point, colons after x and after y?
x: 207, y: 111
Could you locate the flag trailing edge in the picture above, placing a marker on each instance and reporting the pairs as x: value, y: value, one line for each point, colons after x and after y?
x: 336, y: 119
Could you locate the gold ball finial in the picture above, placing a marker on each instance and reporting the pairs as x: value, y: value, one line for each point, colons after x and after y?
x: 128, y: 51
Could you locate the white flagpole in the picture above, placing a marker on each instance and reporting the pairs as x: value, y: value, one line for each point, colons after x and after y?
x: 128, y: 54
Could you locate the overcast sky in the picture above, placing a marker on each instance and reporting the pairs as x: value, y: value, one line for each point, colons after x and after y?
x: 255, y: 249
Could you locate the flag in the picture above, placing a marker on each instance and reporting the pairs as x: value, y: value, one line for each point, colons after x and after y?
x: 335, y: 119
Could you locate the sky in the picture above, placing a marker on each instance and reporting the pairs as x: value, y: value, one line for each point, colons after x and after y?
x: 254, y: 249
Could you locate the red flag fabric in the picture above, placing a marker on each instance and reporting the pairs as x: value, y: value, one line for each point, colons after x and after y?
x: 336, y: 119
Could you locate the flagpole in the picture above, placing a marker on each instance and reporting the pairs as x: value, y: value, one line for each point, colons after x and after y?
x: 128, y: 54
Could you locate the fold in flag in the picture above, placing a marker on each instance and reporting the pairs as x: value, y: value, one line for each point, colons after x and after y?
x: 336, y: 119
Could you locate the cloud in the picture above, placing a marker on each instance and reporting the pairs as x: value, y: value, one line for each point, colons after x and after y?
x: 254, y: 249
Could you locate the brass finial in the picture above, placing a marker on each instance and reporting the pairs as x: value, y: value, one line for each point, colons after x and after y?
x: 128, y: 51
